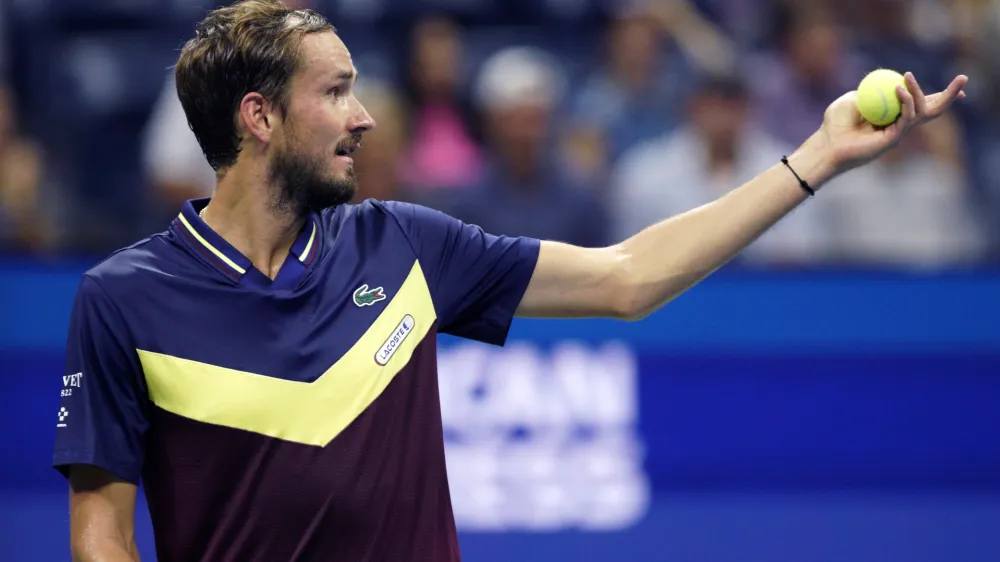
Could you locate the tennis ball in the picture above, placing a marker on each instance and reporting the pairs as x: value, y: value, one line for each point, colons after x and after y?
x: 877, y: 99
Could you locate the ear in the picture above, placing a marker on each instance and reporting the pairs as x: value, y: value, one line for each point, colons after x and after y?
x: 260, y: 116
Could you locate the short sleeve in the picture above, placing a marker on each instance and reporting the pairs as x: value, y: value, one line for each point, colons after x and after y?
x: 103, y: 413
x: 476, y: 279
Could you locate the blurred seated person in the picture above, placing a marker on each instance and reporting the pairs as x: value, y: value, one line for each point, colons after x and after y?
x: 524, y: 192
x: 909, y: 208
x: 378, y: 167
x: 173, y: 160
x: 24, y: 227
x: 976, y: 51
x: 886, y: 32
x: 812, y: 67
x: 444, y: 152
x: 633, y: 96
x: 745, y: 22
x: 716, y: 150
x: 652, y: 51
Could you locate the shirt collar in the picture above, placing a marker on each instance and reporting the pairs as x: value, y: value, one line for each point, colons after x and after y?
x: 227, y: 259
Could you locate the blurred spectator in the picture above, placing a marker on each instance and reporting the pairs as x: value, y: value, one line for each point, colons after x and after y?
x: 886, y: 35
x: 24, y: 227
x: 523, y: 191
x: 813, y: 67
x: 652, y: 52
x: 976, y: 27
x: 634, y: 96
x: 378, y: 163
x: 443, y: 152
x: 174, y: 161
x: 909, y: 208
x: 706, y: 45
x: 531, y: 161
x: 716, y: 150
x: 745, y: 22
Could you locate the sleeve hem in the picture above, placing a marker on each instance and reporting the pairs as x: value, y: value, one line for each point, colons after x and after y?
x: 64, y: 460
x: 523, y: 270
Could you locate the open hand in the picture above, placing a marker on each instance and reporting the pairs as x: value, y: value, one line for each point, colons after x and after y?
x: 852, y: 141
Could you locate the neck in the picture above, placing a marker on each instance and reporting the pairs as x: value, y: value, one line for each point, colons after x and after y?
x: 241, y: 213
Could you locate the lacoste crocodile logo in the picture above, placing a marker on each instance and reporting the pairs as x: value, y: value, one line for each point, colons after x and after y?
x: 365, y: 297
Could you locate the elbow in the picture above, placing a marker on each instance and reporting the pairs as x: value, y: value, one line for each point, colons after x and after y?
x: 634, y: 308
x: 636, y: 295
x: 630, y: 300
x: 628, y: 305
x: 634, y: 316
x: 85, y: 550
x: 95, y: 543
x: 80, y: 551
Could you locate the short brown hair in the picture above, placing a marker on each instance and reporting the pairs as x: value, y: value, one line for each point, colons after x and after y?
x: 250, y: 46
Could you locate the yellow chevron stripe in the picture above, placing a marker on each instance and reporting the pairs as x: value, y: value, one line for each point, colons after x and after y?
x: 308, y: 413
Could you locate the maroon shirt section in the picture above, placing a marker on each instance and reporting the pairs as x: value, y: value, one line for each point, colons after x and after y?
x: 377, y: 493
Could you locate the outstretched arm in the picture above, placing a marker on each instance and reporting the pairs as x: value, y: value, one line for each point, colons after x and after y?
x: 639, y: 275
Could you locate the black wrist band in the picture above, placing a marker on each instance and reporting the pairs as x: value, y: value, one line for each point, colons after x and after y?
x: 802, y: 183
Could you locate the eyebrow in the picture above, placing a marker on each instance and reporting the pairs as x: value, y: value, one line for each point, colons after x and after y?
x: 347, y: 76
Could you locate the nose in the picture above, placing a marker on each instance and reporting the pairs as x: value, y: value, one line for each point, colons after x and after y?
x: 362, y: 122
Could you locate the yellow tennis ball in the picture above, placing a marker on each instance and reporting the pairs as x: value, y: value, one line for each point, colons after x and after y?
x: 878, y: 101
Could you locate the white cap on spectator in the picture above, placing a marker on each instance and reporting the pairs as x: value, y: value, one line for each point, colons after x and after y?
x: 519, y: 76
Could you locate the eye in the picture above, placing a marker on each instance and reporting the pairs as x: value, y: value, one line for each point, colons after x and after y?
x: 335, y: 91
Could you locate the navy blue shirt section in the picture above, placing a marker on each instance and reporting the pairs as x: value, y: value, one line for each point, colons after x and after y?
x: 476, y: 279
x: 103, y: 411
x: 166, y: 295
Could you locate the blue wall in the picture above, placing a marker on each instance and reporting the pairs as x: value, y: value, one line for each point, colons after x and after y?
x: 821, y: 416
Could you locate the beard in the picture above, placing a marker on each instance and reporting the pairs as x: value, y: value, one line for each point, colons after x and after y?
x: 303, y: 185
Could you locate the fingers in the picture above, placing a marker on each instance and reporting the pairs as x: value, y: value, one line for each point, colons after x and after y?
x: 919, y: 101
x: 958, y: 84
x: 909, y: 110
x: 939, y: 102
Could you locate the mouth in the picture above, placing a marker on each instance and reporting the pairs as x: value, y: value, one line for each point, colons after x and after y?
x: 347, y: 150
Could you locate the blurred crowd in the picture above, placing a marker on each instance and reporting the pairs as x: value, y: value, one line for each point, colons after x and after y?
x: 575, y: 120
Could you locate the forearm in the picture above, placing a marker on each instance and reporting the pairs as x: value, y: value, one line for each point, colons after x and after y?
x: 105, y: 550
x: 631, y: 279
x: 669, y: 257
x: 101, y: 524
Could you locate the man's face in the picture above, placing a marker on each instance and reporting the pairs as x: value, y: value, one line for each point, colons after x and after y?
x: 634, y: 46
x: 815, y: 50
x: 436, y: 54
x: 311, y: 163
x: 720, y: 118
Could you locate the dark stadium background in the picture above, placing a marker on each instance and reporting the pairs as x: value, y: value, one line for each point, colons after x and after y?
x: 840, y: 403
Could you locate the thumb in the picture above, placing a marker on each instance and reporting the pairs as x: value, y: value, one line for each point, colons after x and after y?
x: 844, y: 112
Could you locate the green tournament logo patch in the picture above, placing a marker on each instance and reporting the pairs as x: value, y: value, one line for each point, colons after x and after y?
x: 365, y: 297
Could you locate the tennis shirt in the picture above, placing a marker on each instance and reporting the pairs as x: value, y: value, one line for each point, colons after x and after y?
x: 294, y: 419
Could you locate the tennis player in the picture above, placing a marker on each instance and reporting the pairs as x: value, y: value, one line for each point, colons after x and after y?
x: 266, y: 366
